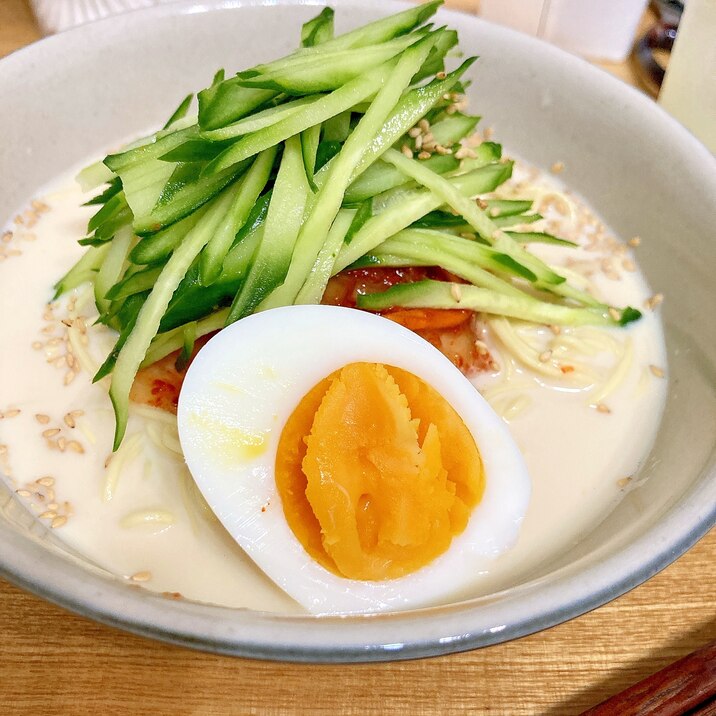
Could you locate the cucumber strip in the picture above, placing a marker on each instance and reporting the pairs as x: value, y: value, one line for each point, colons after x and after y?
x: 84, y: 270
x: 228, y: 101
x: 252, y: 184
x: 260, y: 120
x: 338, y: 176
x: 327, y: 71
x: 465, y: 206
x: 136, y: 282
x: 107, y: 229
x: 112, y: 267
x: 438, y: 294
x: 412, y: 107
x: 436, y: 59
x: 107, y: 211
x: 144, y: 183
x: 539, y: 237
x: 192, y: 301
x: 414, y: 205
x: 507, y: 207
x: 94, y: 175
x: 153, y: 149
x: 188, y: 338
x: 150, y: 315
x: 157, y: 247
x: 187, y: 200
x: 326, y: 107
x: 476, y: 217
x: 312, y: 290
x: 380, y: 30
x: 126, y: 319
x: 114, y: 186
x: 382, y: 177
x: 337, y: 129
x: 310, y: 141
x: 283, y: 223
x: 438, y: 249
x: 180, y: 111
x: 319, y: 30
x: 166, y: 343
x: 452, y: 129
x: 504, y: 222
x: 463, y: 268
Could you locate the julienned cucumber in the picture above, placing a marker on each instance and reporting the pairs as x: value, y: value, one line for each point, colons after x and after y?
x: 439, y: 294
x: 349, y: 152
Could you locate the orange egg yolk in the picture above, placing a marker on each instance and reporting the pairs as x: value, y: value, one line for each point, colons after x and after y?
x: 377, y: 472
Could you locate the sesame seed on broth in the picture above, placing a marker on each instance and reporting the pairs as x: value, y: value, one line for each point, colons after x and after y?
x: 56, y: 426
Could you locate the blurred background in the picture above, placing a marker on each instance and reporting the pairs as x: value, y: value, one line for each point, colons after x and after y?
x: 635, y: 40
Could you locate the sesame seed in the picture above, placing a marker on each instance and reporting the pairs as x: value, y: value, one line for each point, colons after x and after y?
x: 75, y: 447
x: 424, y: 155
x: 7, y: 237
x: 601, y: 408
x: 441, y: 75
x: 545, y: 356
x: 555, y: 329
x: 48, y: 515
x: 46, y: 481
x: 424, y: 125
x: 614, y: 313
x: 3, y: 449
x: 62, y: 443
x: 143, y: 576
x: 418, y: 142
x: 487, y: 134
x: 557, y: 167
x: 656, y: 300
x: 456, y: 292
x: 443, y: 150
x: 634, y: 241
x: 37, y: 345
x: 42, y: 418
x: 69, y: 377
x: 69, y: 420
x: 623, y: 482
x: 23, y: 493
x: 628, y: 265
x: 655, y: 370
x: 428, y: 138
x: 53, y: 506
x: 414, y: 132
x: 407, y: 151
x: 10, y: 413
x: 482, y: 348
x: 451, y: 109
x: 76, y: 413
x: 60, y: 521
x: 50, y: 432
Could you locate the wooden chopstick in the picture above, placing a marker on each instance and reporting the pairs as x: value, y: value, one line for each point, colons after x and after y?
x: 687, y: 686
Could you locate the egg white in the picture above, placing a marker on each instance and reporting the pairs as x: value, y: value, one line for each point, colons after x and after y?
x: 241, y: 389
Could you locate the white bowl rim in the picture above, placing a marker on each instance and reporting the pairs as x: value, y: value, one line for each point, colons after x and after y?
x: 429, y: 632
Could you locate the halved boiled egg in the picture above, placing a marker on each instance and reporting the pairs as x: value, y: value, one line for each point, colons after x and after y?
x: 357, y: 467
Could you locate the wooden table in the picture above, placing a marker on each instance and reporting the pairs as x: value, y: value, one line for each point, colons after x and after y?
x: 53, y: 662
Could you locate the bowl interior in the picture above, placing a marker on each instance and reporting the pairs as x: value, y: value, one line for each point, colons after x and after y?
x: 642, y: 172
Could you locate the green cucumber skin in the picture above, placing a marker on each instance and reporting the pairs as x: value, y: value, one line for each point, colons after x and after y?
x: 418, y: 203
x: 281, y: 229
x: 153, y: 309
x: 342, y: 169
x: 252, y: 184
x: 328, y: 106
x: 437, y: 294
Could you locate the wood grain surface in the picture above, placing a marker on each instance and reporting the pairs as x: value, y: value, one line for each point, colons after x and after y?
x: 54, y: 662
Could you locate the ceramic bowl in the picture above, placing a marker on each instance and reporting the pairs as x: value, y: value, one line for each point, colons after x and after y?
x: 76, y: 94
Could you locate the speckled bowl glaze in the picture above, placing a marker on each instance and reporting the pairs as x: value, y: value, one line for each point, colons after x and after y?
x: 77, y: 93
